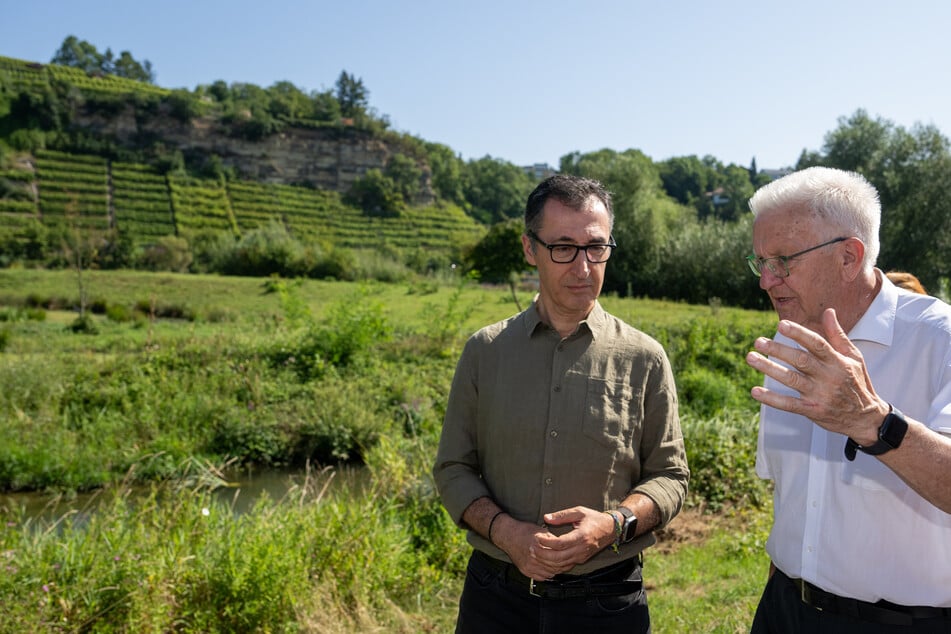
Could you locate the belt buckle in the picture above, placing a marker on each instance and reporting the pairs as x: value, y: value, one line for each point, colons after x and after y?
x: 531, y: 588
x: 806, y: 596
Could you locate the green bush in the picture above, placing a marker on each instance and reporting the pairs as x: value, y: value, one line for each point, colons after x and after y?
x: 169, y: 253
x: 351, y: 329
x: 721, y: 453
x: 84, y: 324
x: 707, y: 393
x: 120, y: 313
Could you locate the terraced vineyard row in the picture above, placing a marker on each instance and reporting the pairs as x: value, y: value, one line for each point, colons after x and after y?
x: 73, y: 192
x: 91, y: 193
x: 22, y: 74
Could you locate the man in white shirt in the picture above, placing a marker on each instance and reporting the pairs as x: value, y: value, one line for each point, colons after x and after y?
x: 855, y: 424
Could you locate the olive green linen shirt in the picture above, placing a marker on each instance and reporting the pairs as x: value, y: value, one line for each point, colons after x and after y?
x: 540, y: 423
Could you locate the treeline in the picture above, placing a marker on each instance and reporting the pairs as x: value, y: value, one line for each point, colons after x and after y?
x: 674, y: 244
x: 681, y: 224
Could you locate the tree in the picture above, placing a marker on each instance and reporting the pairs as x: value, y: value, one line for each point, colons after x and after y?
x: 376, y: 194
x: 499, y: 253
x: 288, y: 101
x: 250, y: 112
x: 81, y: 54
x: 126, y: 66
x: 324, y: 107
x: 351, y: 94
x: 495, y: 189
x: 687, y: 180
x: 184, y: 105
x: 644, y: 216
x: 737, y: 189
x: 405, y: 174
x: 858, y: 143
x: 220, y: 91
x: 912, y: 172
x: 447, y: 172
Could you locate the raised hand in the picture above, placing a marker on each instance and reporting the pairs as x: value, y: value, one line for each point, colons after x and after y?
x: 829, y: 374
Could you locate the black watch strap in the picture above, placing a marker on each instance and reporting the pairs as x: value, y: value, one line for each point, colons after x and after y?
x: 890, y: 434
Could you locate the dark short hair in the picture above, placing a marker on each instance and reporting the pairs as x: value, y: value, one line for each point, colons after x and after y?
x: 573, y: 191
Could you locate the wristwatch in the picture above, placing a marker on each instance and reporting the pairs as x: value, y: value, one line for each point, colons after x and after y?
x: 890, y: 434
x: 629, y: 526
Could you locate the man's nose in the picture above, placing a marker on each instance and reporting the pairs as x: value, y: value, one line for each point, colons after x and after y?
x: 768, y: 279
x: 581, y: 267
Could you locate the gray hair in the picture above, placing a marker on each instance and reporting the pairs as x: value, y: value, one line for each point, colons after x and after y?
x: 843, y: 199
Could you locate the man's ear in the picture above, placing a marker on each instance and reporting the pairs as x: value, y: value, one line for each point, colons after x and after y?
x: 853, y: 252
x: 528, y: 250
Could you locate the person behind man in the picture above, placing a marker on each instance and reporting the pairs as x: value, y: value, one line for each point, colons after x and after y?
x: 561, y: 450
x: 908, y: 281
x: 855, y: 422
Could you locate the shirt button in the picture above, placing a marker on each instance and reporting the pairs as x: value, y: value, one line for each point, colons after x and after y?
x: 554, y: 434
x: 548, y: 481
x: 814, y: 504
x: 557, y: 388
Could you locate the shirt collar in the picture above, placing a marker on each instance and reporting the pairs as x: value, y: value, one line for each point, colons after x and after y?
x: 877, y: 324
x: 594, y: 322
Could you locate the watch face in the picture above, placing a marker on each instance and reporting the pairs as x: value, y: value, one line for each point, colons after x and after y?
x: 892, y: 431
x: 630, y: 527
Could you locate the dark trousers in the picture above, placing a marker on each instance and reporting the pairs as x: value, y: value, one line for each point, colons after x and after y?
x: 491, y: 603
x: 782, y: 611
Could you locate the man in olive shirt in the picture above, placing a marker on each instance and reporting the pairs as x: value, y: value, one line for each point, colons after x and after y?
x: 561, y: 450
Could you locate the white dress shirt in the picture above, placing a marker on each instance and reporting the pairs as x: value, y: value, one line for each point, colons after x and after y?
x: 854, y: 528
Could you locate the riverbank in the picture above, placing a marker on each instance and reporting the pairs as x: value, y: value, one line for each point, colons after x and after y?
x: 149, y: 406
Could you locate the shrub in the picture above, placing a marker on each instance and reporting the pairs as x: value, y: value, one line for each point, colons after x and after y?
x: 707, y: 393
x: 169, y: 253
x: 721, y: 453
x: 84, y: 324
x: 119, y: 313
x: 377, y: 195
x: 267, y: 251
x: 352, y: 327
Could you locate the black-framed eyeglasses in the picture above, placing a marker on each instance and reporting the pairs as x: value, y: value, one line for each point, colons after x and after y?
x: 566, y: 253
x: 779, y: 265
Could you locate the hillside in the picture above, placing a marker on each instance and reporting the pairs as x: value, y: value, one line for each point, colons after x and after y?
x: 150, y: 162
x: 66, y: 190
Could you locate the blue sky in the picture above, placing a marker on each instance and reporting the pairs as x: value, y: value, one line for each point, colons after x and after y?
x: 531, y: 81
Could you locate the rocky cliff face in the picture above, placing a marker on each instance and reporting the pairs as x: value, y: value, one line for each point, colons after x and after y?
x: 328, y: 158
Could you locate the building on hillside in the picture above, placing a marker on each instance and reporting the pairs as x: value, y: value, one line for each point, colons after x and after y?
x: 538, y: 171
x: 718, y: 197
x: 773, y: 174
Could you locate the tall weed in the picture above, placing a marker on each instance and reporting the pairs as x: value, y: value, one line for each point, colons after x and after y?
x: 721, y: 453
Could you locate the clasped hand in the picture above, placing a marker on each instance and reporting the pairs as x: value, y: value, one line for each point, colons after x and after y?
x: 829, y: 374
x: 545, y: 554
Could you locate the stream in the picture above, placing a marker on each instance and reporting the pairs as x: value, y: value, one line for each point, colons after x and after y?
x: 243, y: 489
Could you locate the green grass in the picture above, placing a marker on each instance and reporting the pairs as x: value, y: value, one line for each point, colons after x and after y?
x: 267, y: 371
x: 409, y: 305
x: 710, y: 584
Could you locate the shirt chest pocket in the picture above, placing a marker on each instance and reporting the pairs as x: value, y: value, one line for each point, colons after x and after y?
x: 611, y: 412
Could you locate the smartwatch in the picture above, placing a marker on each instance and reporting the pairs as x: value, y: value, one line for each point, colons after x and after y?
x: 890, y: 435
x: 629, y: 526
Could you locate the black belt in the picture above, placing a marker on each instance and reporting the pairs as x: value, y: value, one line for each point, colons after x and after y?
x: 883, y: 612
x: 607, y: 581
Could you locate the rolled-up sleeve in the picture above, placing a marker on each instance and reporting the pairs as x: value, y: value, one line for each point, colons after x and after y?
x: 664, y: 471
x: 456, y: 470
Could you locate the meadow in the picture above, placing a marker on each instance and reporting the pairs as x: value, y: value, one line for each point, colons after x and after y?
x: 180, y: 376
